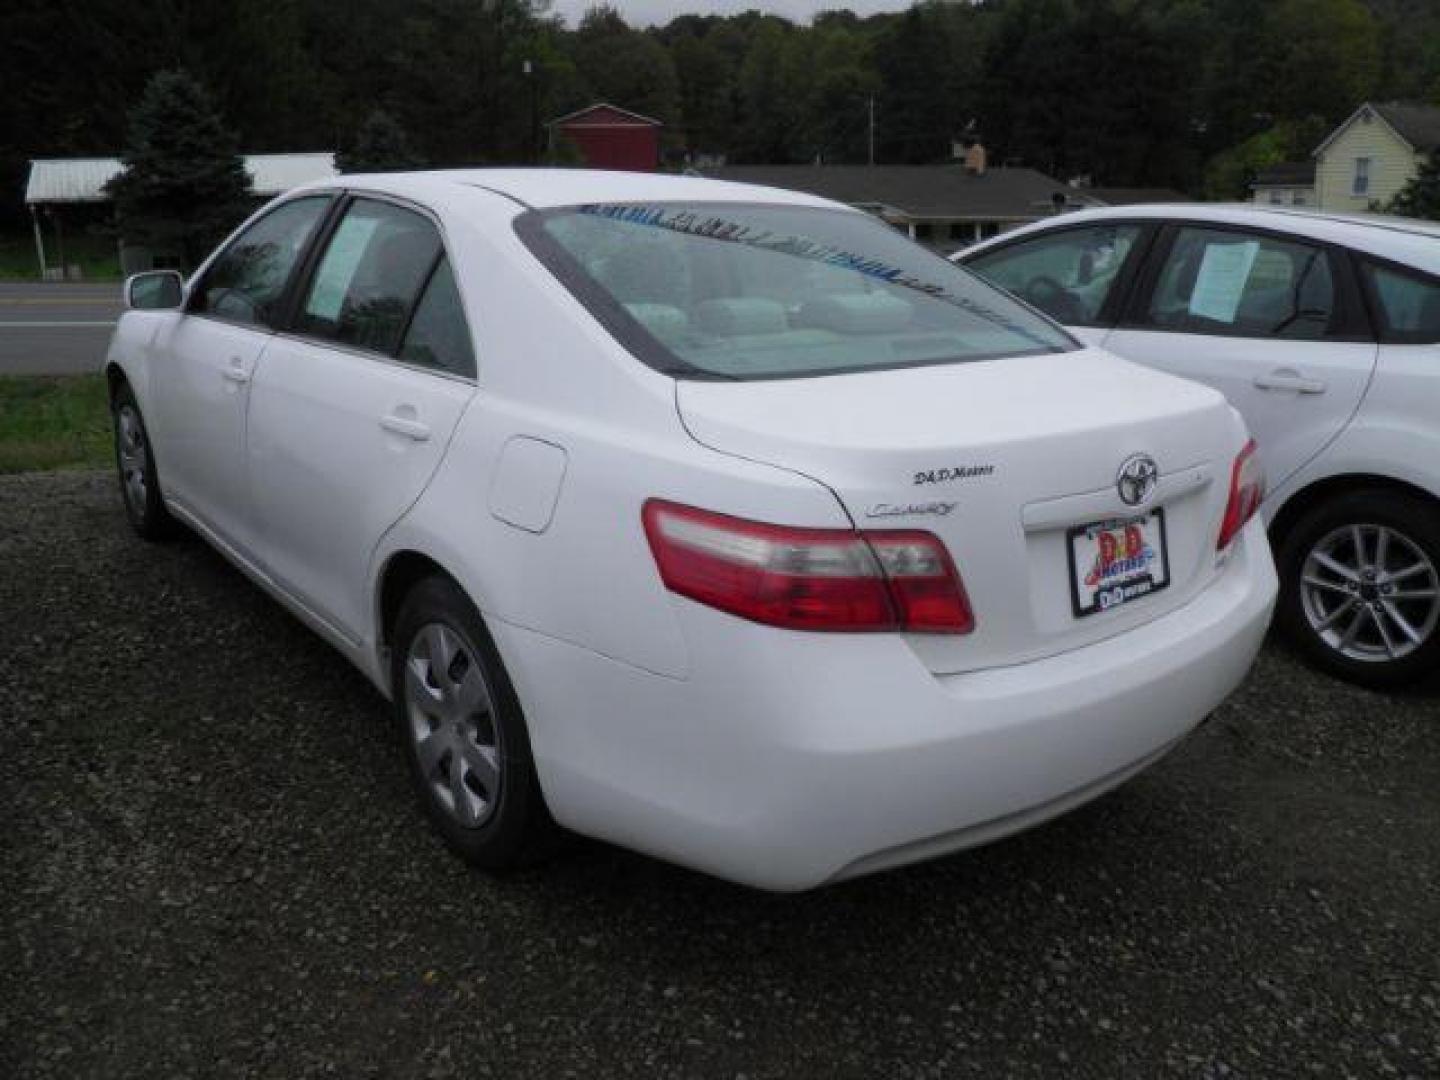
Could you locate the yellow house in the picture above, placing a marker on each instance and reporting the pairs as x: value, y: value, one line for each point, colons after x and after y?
x: 1371, y: 156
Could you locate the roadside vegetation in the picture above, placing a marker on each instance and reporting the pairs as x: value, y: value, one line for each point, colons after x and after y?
x: 94, y: 254
x: 53, y: 423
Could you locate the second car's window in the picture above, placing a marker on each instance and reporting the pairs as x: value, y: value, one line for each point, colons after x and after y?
x: 246, y: 282
x: 1068, y: 275
x: 1409, y: 304
x: 373, y: 269
x: 1220, y: 282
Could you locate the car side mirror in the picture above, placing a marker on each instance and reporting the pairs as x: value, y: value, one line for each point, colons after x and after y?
x: 156, y: 290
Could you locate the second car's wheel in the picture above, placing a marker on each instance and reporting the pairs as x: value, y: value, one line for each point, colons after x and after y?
x: 1360, y: 587
x: 139, y: 479
x: 464, y: 732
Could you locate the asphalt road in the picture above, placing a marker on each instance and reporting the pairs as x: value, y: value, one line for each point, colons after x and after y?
x: 54, y: 328
x: 210, y: 865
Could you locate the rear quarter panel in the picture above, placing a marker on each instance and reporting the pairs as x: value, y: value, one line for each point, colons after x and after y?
x: 548, y: 372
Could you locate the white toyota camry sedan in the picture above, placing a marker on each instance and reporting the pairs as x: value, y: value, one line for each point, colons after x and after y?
x: 718, y: 522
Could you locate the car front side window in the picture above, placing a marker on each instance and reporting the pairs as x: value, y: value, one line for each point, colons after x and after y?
x: 1216, y: 281
x: 1069, y: 274
x: 246, y: 283
x: 370, y: 277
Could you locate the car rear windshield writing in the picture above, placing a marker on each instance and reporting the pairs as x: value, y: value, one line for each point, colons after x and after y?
x: 746, y: 291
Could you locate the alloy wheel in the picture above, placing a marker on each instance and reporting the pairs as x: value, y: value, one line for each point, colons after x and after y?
x: 1370, y: 592
x: 452, y: 724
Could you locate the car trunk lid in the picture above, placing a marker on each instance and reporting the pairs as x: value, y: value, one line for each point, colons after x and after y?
x: 1004, y: 461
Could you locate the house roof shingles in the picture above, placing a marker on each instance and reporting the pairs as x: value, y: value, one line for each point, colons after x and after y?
x: 917, y: 191
x: 1419, y: 125
x: 1286, y: 174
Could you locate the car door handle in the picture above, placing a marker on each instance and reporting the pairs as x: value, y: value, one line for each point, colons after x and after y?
x: 406, y: 426
x: 236, y: 372
x: 1289, y: 380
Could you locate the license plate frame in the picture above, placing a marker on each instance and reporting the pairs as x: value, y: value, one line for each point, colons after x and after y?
x: 1088, y: 598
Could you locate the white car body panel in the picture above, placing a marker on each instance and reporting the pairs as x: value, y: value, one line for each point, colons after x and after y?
x: 787, y: 760
x: 1374, y: 417
x: 199, y: 397
x: 330, y: 473
x: 1295, y: 401
x: 775, y: 757
x: 1393, y: 434
x: 1079, y: 414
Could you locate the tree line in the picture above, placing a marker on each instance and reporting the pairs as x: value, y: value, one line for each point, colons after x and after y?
x: 1192, y: 94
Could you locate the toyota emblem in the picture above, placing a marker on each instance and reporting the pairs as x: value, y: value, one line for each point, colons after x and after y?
x: 1136, y: 479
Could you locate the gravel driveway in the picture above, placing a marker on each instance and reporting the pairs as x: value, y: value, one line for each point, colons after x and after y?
x: 210, y: 865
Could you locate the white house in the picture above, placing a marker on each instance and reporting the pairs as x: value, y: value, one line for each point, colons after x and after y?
x: 1369, y: 158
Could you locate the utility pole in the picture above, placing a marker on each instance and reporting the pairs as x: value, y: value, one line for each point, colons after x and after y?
x: 532, y: 77
x: 872, y: 129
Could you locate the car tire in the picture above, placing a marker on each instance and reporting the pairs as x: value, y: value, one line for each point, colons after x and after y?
x: 1360, y: 587
x: 138, y: 475
x: 464, y: 733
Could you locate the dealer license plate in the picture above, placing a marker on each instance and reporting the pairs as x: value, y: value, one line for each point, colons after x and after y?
x: 1118, y: 561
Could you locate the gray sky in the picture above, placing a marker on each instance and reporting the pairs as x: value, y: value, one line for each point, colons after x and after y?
x: 648, y: 12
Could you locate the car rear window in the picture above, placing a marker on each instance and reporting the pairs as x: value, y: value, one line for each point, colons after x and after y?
x: 749, y: 291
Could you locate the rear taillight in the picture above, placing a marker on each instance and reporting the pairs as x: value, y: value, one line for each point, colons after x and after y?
x: 808, y: 579
x: 1247, y: 489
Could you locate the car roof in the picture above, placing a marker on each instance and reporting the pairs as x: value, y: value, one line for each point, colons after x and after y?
x: 546, y: 188
x: 1405, y: 240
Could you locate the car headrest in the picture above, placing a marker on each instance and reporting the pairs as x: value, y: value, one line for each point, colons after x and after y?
x: 663, y: 320
x: 857, y: 313
x: 742, y: 315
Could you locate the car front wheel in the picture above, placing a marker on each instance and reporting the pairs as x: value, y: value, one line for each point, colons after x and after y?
x: 139, y: 479
x: 1360, y: 587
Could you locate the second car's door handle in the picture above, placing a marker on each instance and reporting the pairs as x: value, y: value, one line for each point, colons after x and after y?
x: 236, y: 372
x: 404, y: 425
x: 1289, y: 380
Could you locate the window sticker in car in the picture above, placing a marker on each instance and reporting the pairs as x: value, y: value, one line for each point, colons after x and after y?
x: 342, y: 259
x: 1221, y: 280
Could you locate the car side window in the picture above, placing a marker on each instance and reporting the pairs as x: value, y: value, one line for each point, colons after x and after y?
x: 438, y: 336
x: 1408, y: 303
x: 1217, y: 281
x: 368, y: 280
x: 1067, y: 274
x: 246, y: 283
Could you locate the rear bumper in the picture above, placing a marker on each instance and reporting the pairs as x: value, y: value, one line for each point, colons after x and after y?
x: 786, y: 760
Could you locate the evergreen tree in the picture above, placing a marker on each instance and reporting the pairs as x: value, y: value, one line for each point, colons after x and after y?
x: 184, y: 185
x: 380, y: 145
x: 1420, y: 198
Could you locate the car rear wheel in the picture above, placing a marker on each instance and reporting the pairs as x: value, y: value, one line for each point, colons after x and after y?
x: 1360, y: 587
x: 463, y: 730
x: 139, y: 479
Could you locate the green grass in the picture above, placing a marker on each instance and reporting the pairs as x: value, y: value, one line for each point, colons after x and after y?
x: 54, y: 423
x: 95, y: 255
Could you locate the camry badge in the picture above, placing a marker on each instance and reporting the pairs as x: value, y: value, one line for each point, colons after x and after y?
x: 1137, y: 479
x: 883, y: 510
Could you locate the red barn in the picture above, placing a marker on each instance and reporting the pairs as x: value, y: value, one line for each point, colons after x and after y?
x: 610, y: 137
